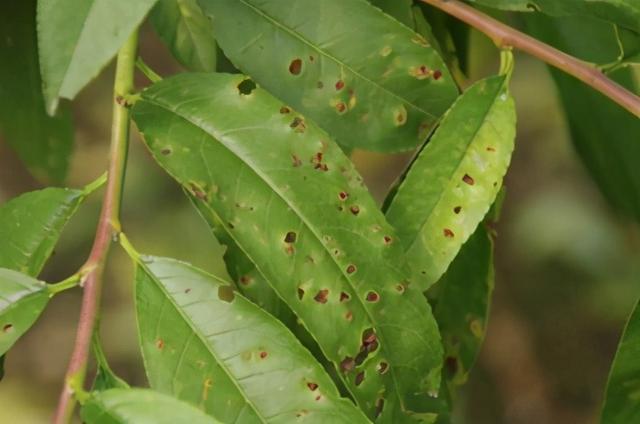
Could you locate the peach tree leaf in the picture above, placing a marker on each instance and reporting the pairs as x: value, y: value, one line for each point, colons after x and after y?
x: 455, y: 179
x: 209, y: 346
x: 366, y: 79
x: 294, y: 203
x: 76, y: 39
x: 183, y: 27
x: 140, y: 406
x: 44, y: 143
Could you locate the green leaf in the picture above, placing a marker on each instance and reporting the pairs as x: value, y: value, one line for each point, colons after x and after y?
x: 621, y: 403
x: 622, y: 12
x: 399, y: 9
x: 211, y: 347
x: 455, y: 179
x: 604, y: 134
x: 248, y: 279
x: 369, y: 81
x: 76, y: 39
x: 105, y: 377
x: 187, y: 32
x: 43, y: 143
x: 30, y: 226
x: 140, y: 406
x: 298, y: 209
x: 22, y: 300
x: 462, y: 299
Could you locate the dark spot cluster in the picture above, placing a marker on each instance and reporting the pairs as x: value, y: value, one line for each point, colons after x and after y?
x: 317, y: 162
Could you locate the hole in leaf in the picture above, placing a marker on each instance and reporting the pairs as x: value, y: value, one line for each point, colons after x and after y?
x: 468, y: 179
x: 300, y: 293
x: 359, y: 378
x: 295, y: 67
x: 379, y: 407
x: 290, y: 237
x: 321, y: 296
x: 373, y: 296
x: 246, y: 87
x: 382, y: 367
x: 225, y: 293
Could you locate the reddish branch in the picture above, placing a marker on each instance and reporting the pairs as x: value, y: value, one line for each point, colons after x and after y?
x: 108, y: 228
x: 505, y: 37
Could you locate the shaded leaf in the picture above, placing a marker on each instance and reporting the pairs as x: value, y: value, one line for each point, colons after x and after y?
x: 622, y: 12
x: 461, y: 304
x: 366, y: 79
x: 22, y: 300
x: 76, y: 39
x: 455, y: 179
x: 187, y: 32
x: 621, y: 403
x: 2, y: 358
x: 603, y: 133
x: 42, y: 142
x: 399, y: 9
x: 298, y: 209
x: 213, y: 348
x: 30, y: 226
x: 140, y: 406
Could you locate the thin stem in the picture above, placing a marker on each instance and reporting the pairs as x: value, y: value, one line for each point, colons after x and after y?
x: 505, y: 36
x: 107, y: 230
x: 147, y: 71
x: 65, y: 284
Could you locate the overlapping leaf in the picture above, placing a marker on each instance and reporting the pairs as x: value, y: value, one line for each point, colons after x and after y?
x: 622, y: 12
x: 22, y: 300
x: 76, y: 39
x: 187, y: 32
x: 604, y: 134
x: 399, y: 9
x: 207, y: 345
x: 363, y: 77
x: 461, y: 305
x: 42, y: 142
x: 455, y: 179
x: 296, y: 206
x: 621, y: 403
x: 140, y: 406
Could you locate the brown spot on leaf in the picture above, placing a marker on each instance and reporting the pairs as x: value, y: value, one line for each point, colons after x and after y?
x: 359, y: 378
x: 295, y: 67
x: 351, y: 269
x: 321, y: 296
x: 457, y: 209
x: 354, y: 209
x: 295, y: 161
x: 348, y: 316
x: 448, y: 233
x: 379, y: 407
x: 263, y: 354
x: 382, y: 367
x: 437, y: 74
x: 312, y: 386
x: 343, y: 195
x: 373, y: 296
x: 468, y: 179
x: 290, y: 237
x: 341, y: 107
x: 245, y: 280
x: 490, y: 149
x: 344, y: 297
x: 387, y: 240
x: 166, y: 151
x: 285, y: 110
x: 339, y: 85
x: 160, y: 344
x: 298, y: 125
x: 300, y: 293
x: 347, y: 364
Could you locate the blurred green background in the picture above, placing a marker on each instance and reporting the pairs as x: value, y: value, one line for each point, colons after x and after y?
x: 568, y: 269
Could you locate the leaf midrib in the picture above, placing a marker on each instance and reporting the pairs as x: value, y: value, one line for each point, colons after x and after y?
x: 335, y: 59
x: 200, y: 336
x: 294, y: 208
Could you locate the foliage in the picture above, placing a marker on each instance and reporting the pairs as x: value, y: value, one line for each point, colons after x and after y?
x: 339, y: 310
